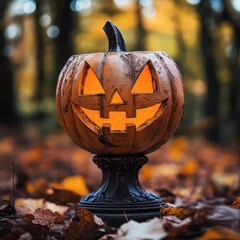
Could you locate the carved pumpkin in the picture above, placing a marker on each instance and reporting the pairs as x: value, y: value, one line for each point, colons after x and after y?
x: 119, y: 102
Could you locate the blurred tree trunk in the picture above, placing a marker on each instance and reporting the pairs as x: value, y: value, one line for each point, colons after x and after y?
x: 64, y: 46
x: 108, y: 7
x: 40, y: 52
x: 140, y: 44
x: 181, y: 46
x: 234, y: 64
x: 212, y: 101
x: 8, y: 112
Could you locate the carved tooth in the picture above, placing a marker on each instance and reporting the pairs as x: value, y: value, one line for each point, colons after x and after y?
x: 106, y: 129
x: 131, y: 129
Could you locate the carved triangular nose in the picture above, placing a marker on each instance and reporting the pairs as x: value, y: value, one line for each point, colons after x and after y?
x: 116, y: 98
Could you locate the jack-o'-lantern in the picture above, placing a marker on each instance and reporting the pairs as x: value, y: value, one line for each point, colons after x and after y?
x: 120, y: 102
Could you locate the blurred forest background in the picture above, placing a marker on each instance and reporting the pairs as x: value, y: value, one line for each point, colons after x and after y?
x: 201, y: 161
x: 202, y: 36
x: 36, y: 39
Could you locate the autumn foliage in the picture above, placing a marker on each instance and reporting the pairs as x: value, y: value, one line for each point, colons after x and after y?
x: 199, y: 182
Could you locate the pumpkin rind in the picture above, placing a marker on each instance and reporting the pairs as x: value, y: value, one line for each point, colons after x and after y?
x: 125, y: 67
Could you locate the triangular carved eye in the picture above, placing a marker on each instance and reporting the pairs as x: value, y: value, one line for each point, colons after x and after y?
x: 144, y: 83
x: 92, y: 84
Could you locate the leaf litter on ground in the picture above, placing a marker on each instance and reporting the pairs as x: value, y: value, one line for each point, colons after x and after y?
x: 199, y: 182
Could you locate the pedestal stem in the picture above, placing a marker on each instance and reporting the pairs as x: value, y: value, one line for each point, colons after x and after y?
x: 120, y: 194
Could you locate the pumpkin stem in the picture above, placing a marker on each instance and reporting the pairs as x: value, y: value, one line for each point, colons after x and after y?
x: 115, y: 38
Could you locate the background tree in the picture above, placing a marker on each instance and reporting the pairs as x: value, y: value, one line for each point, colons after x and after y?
x: 212, y: 100
x: 8, y: 112
x: 140, y: 29
x: 233, y: 17
x: 66, y: 22
x: 40, y: 53
x: 223, y: 126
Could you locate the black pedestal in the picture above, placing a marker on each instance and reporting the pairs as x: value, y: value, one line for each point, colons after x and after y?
x: 120, y: 196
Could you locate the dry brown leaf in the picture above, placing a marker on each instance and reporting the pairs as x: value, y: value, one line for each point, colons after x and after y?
x: 6, y: 209
x: 219, y: 233
x: 84, y: 225
x: 25, y: 236
x: 166, y: 195
x: 236, y: 203
x: 28, y: 205
x: 46, y: 217
x: 5, y: 227
x: 175, y: 227
x: 60, y: 196
x: 223, y: 216
x: 37, y: 231
x: 179, y: 212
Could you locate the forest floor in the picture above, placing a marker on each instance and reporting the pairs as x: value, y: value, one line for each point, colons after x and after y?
x: 199, y: 181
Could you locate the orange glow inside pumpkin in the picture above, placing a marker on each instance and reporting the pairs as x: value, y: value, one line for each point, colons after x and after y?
x: 144, y: 83
x: 92, y: 84
x: 118, y: 119
x: 116, y: 99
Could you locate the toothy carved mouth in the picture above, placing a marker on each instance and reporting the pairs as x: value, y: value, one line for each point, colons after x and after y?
x: 117, y: 121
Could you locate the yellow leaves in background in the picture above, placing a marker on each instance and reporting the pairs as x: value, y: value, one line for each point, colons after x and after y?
x: 178, y: 148
x: 6, y: 146
x: 189, y: 167
x: 76, y: 184
x: 219, y: 233
x: 226, y: 179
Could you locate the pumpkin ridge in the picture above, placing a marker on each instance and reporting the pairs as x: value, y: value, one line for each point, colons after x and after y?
x: 79, y: 138
x: 70, y: 82
x: 72, y: 72
x: 170, y: 129
x: 59, y: 90
x: 169, y: 76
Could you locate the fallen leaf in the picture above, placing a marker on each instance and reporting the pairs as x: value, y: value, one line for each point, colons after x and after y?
x: 236, y: 203
x: 46, y: 217
x: 6, y: 146
x: 84, y: 225
x: 175, y: 227
x: 28, y: 206
x: 222, y: 215
x: 25, y: 236
x: 179, y: 212
x: 166, y: 195
x: 5, y: 227
x: 226, y: 179
x: 61, y: 196
x: 189, y: 167
x: 179, y: 147
x: 55, y: 208
x: 151, y: 230
x: 219, y: 233
x: 37, y: 231
x: 6, y: 209
x: 76, y: 184
x: 38, y: 185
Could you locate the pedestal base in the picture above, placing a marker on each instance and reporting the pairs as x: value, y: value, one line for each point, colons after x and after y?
x: 120, y: 196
